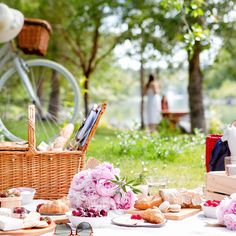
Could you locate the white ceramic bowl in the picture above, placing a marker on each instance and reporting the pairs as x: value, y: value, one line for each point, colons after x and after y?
x: 27, y: 195
x: 209, y: 211
x: 95, y: 222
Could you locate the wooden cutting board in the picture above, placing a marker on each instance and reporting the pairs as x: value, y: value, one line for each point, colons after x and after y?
x: 31, y: 232
x: 184, y: 213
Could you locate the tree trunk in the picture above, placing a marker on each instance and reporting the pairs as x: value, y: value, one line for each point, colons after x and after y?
x: 86, y: 96
x: 142, y: 94
x: 195, y: 90
x: 53, y: 106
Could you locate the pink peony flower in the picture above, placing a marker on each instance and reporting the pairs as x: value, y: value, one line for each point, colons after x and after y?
x: 89, y: 190
x: 80, y: 180
x: 124, y: 200
x: 230, y: 221
x: 74, y: 199
x: 232, y: 206
x: 105, y: 171
x: 223, y: 209
x: 93, y: 188
x: 106, y: 188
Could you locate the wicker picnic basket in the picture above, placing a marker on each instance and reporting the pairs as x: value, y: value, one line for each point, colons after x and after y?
x: 34, y: 36
x: 50, y: 173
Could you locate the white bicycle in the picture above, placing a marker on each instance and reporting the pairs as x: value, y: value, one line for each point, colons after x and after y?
x: 47, y: 84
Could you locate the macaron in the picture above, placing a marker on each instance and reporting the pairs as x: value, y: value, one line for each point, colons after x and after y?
x: 174, y: 208
x: 164, y: 207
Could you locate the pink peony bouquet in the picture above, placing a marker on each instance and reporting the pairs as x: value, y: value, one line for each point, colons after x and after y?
x: 226, y: 212
x: 98, y: 188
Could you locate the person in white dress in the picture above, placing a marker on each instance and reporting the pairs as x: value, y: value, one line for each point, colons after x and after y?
x: 153, y: 105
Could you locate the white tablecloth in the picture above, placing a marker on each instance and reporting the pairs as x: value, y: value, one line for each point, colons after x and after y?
x: 194, y: 225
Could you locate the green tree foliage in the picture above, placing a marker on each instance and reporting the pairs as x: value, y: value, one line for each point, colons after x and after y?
x: 200, y: 19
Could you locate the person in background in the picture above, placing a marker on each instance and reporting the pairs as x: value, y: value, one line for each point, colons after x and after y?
x: 164, y: 103
x: 153, y: 106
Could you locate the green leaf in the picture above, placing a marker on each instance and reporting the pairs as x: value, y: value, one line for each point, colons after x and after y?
x: 124, y: 188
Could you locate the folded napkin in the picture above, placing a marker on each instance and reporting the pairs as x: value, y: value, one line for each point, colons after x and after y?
x: 5, y: 212
x: 9, y: 223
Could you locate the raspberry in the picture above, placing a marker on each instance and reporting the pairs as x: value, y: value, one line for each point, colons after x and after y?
x: 136, y: 217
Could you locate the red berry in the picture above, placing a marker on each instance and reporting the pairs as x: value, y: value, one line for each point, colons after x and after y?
x: 19, y: 210
x: 76, y: 213
x: 136, y: 217
x: 46, y: 219
x: 103, y: 213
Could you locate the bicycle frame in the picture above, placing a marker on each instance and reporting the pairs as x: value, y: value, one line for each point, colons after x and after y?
x: 8, y: 53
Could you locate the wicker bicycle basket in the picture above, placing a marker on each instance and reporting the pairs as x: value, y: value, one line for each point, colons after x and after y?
x: 34, y: 36
x: 50, y: 173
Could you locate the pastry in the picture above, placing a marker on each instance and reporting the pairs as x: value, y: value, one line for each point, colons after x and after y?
x: 164, y: 207
x: 174, y: 208
x: 185, y: 198
x: 148, y: 202
x: 173, y: 196
x: 153, y: 216
x: 60, y: 206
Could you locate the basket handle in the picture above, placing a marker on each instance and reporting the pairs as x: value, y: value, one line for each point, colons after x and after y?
x: 31, y: 128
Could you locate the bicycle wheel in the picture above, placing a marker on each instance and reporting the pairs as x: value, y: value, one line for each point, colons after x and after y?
x: 57, y: 91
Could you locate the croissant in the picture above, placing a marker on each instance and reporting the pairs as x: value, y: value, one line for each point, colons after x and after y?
x: 153, y: 216
x: 148, y: 202
x: 56, y: 207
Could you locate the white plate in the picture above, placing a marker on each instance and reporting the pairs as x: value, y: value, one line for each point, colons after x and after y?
x: 125, y: 220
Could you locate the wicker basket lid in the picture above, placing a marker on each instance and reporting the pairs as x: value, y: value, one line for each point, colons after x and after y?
x: 34, y: 21
x: 14, y: 146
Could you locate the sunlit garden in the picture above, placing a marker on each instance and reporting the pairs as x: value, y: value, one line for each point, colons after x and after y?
x: 122, y: 95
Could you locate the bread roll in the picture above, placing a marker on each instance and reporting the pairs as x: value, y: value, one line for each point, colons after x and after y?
x: 61, y: 141
x: 56, y: 207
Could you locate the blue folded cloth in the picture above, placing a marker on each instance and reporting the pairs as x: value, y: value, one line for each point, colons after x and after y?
x: 219, y: 152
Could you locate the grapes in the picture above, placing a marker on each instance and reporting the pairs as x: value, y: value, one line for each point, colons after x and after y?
x: 89, y: 212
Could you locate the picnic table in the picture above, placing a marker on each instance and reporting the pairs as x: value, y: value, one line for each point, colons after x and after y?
x: 191, y: 226
x: 174, y: 116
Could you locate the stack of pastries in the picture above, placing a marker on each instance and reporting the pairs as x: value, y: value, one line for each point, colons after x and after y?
x: 152, y: 208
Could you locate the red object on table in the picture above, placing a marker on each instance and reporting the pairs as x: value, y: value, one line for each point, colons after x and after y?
x: 211, y: 140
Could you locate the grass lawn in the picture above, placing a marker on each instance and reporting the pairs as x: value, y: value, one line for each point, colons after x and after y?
x: 187, y: 169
